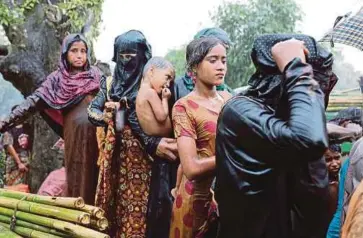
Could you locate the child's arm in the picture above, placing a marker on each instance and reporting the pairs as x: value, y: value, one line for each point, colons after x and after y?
x: 159, y: 107
x: 8, y: 143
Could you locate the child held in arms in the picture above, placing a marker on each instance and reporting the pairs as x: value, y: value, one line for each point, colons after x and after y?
x: 152, y: 106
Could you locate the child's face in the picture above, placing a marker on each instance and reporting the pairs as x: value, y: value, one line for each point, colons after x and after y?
x: 77, y: 55
x: 161, y: 78
x: 333, y: 163
x: 23, y: 142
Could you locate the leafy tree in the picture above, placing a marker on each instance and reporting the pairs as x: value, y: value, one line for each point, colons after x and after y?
x: 177, y: 58
x: 243, y: 22
x: 30, y: 35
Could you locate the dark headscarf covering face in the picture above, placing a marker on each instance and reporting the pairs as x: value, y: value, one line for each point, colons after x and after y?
x: 128, y: 72
x: 266, y: 83
x: 61, y: 88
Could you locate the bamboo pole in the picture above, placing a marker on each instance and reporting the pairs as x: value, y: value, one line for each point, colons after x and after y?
x: 335, y: 109
x: 100, y: 224
x: 7, y: 220
x: 67, y: 227
x: 46, y: 210
x: 7, y: 233
x: 73, y: 203
x: 29, y: 232
x: 94, y: 211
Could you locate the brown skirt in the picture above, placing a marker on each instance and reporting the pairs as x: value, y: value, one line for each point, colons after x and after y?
x: 80, y: 152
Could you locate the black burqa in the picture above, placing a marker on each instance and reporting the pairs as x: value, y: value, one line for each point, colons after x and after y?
x: 128, y: 70
x: 163, y: 174
x: 270, y: 145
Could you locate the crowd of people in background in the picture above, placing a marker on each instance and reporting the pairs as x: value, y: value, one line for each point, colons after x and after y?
x: 183, y: 156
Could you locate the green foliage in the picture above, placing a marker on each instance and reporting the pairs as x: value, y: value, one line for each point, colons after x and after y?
x: 243, y: 22
x: 15, y: 14
x: 76, y: 10
x: 2, y: 164
x: 78, y: 13
x: 177, y: 58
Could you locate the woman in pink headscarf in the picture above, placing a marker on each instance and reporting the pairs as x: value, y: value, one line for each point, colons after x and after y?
x: 63, y: 99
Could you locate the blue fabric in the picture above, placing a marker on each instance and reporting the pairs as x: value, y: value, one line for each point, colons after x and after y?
x: 334, y: 227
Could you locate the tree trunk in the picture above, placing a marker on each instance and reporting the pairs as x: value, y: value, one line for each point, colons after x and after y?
x: 45, y: 159
x: 33, y: 54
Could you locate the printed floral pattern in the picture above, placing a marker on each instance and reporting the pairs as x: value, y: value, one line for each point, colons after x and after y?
x: 194, y: 208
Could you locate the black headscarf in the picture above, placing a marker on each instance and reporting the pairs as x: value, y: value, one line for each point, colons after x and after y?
x: 266, y: 83
x: 128, y: 73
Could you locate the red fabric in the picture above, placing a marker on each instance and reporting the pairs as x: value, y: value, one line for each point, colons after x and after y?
x: 19, y: 188
x: 56, y: 115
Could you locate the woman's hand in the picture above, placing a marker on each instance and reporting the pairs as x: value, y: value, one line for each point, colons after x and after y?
x: 112, y: 106
x: 167, y: 149
x: 284, y: 52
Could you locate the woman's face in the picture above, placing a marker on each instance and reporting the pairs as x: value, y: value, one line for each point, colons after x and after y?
x: 128, y: 61
x: 213, y: 68
x: 77, y: 55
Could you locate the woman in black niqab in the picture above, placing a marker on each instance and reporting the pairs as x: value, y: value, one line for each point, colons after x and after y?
x: 125, y: 166
x: 128, y: 70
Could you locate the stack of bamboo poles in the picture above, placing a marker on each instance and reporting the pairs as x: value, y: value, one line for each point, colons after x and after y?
x: 337, y: 103
x: 42, y: 216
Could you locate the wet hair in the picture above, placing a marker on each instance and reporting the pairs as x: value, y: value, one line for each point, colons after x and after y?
x: 198, y: 49
x: 158, y: 63
x: 335, y: 148
x: 214, y: 32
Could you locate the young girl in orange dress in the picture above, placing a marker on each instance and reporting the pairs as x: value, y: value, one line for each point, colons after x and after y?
x: 195, y: 120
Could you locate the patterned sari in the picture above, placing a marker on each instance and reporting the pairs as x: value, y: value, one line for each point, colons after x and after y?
x: 123, y: 183
x: 194, y: 208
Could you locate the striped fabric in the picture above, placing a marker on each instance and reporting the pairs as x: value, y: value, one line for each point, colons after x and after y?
x: 349, y: 32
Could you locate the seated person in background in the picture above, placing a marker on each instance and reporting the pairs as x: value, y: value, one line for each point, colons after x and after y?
x: 333, y: 163
x: 16, y: 143
x: 345, y: 132
x: 345, y: 126
x: 153, y: 112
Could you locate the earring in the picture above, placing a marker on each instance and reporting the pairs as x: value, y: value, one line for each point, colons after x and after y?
x: 194, y: 76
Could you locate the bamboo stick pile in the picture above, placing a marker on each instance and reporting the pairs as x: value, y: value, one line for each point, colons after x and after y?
x: 52, y: 217
x: 337, y: 103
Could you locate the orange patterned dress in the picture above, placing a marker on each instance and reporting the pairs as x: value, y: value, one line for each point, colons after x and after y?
x: 193, y: 207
